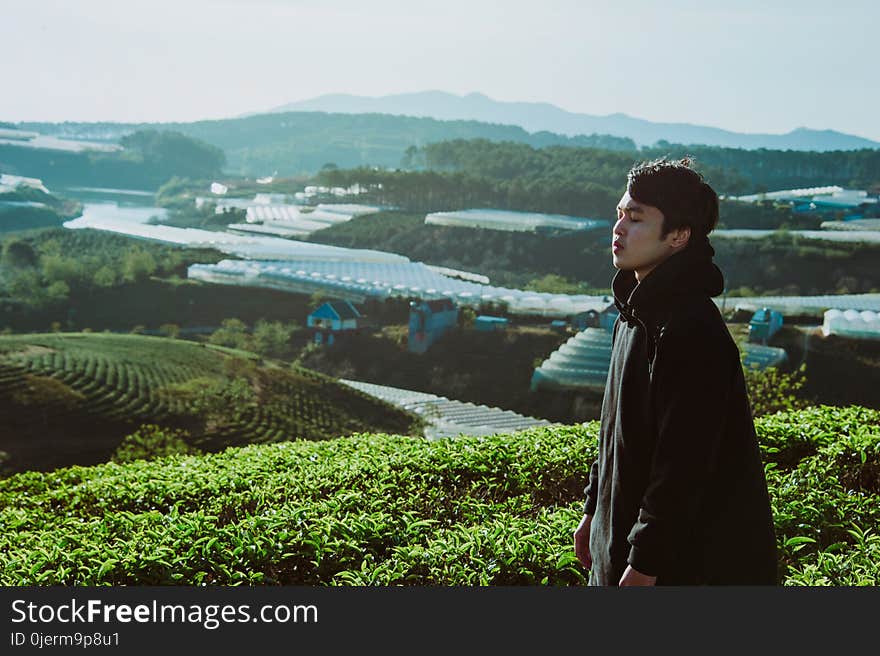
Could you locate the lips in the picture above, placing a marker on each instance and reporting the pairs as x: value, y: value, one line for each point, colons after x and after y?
x: 617, y: 246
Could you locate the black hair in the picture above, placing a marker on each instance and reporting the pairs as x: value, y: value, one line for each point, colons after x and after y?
x: 677, y: 190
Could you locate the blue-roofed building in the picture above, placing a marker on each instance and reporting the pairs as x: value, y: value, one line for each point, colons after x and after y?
x: 486, y: 323
x: 607, y: 317
x: 428, y: 320
x: 331, y: 319
x: 763, y: 325
x: 602, y: 315
x: 761, y: 356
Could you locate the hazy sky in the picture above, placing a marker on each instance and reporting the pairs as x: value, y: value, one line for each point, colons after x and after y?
x: 749, y: 66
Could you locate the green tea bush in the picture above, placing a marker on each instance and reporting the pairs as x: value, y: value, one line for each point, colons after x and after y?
x: 378, y: 509
x: 151, y: 441
x: 69, y: 394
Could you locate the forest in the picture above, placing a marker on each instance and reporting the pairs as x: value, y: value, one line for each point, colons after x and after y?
x: 150, y: 157
x: 581, y: 181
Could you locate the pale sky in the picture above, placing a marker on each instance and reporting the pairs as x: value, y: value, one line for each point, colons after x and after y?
x: 747, y: 66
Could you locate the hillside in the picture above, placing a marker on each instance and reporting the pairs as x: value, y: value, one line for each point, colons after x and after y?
x: 28, y: 208
x: 302, y: 142
x: 391, y: 510
x: 70, y: 398
x: 147, y: 159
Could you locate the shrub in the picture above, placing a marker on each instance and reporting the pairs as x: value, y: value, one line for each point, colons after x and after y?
x: 391, y: 510
x: 151, y: 441
x: 171, y: 330
x: 772, y: 390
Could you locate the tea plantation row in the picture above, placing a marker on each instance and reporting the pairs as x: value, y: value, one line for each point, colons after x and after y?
x: 390, y: 510
x: 71, y: 398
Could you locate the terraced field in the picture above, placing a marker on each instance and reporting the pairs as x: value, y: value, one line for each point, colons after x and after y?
x: 70, y: 398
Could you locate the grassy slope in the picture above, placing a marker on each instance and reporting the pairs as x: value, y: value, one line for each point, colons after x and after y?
x: 110, y: 384
x: 380, y: 509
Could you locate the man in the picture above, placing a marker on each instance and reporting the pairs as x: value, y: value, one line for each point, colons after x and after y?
x: 678, y: 494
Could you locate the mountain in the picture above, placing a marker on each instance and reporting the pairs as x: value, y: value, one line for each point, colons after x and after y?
x: 536, y: 117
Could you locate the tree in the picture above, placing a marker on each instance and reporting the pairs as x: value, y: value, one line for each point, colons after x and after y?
x: 104, y: 277
x: 466, y: 317
x: 171, y: 330
x: 27, y: 286
x: 272, y: 338
x: 138, y: 265
x: 554, y: 284
x: 58, y: 268
x: 169, y: 153
x: 58, y: 291
x: 19, y: 255
x: 232, y: 333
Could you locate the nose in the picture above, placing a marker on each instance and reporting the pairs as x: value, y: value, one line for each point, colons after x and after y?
x: 618, y: 228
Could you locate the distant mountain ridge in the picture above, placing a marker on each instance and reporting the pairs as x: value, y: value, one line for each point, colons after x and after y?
x: 535, y: 117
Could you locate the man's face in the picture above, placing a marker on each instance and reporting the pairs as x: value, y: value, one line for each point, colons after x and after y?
x: 636, y: 243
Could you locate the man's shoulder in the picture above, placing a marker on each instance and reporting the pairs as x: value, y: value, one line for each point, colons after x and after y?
x: 693, y: 310
x: 696, y: 318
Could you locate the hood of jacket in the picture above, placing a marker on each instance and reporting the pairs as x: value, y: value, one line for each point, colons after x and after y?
x: 687, y: 273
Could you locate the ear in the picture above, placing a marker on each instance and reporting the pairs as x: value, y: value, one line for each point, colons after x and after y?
x: 679, y: 237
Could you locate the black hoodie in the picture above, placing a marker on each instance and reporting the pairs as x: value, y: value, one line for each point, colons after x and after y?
x: 678, y: 491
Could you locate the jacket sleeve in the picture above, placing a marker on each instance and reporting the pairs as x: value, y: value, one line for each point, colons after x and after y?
x: 690, y: 386
x: 592, y: 490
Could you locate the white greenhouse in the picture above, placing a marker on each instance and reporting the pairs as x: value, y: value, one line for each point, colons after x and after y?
x: 450, y: 418
x: 580, y: 363
x: 358, y: 280
x: 863, y: 324
x: 513, y: 221
x: 801, y: 304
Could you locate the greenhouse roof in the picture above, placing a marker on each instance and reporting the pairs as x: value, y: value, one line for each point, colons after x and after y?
x: 249, y: 246
x: 358, y: 280
x: 273, y: 229
x: 580, y: 363
x: 785, y: 194
x: 493, y: 219
x: 802, y: 304
x: 855, y: 236
x: 449, y: 418
x: 852, y: 323
x: 761, y: 356
x: 852, y: 224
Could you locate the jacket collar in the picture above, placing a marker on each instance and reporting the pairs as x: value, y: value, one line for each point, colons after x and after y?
x: 686, y: 273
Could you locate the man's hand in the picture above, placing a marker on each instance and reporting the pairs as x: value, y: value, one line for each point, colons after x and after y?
x: 582, y: 542
x: 634, y: 577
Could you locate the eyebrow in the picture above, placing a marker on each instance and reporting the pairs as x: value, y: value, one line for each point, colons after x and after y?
x: 631, y: 208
